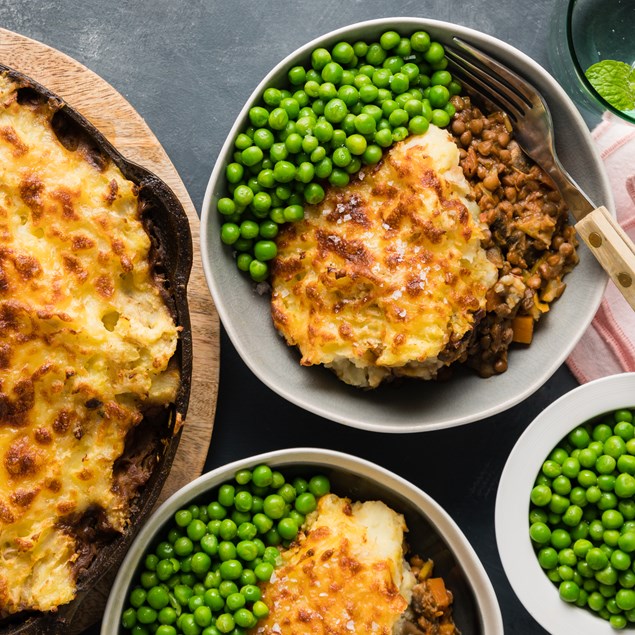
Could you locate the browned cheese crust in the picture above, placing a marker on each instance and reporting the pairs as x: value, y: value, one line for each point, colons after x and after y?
x: 85, y: 347
x: 386, y: 277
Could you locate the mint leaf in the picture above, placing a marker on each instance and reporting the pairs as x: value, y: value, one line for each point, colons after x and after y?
x: 615, y: 81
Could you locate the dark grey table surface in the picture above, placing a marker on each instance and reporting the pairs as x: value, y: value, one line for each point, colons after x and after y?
x: 188, y: 67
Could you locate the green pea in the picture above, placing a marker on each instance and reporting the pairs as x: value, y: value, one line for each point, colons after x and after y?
x: 248, y: 576
x: 335, y: 110
x: 274, y: 506
x: 332, y: 72
x: 614, y: 446
x: 548, y: 557
x: 183, y: 518
x: 626, y: 463
x: 581, y: 530
x: 265, y: 250
x: 372, y: 154
x: 342, y: 53
x: 540, y: 533
x: 389, y: 40
x: 441, y: 78
x: 230, y: 569
x: 570, y: 467
x: 565, y: 572
x: 399, y: 83
x: 375, y: 54
x: 440, y: 118
x: 235, y: 601
x: 601, y: 432
x: 201, y: 563
x: 263, y: 571
x: 626, y: 542
x: 157, y: 597
x: 243, y: 195
x: 612, y: 519
x: 314, y: 193
x: 572, y: 516
x: 398, y: 117
x: 561, y: 485
x: 607, y: 575
x: 620, y: 560
x: 587, y: 478
x: 596, y: 601
x: 434, y: 54
x: 284, y: 171
x: 197, y: 528
x: 297, y: 75
x: 305, y: 503
x: 129, y: 618
x: 625, y: 485
x: 226, y: 550
x: 587, y: 458
x: 247, y: 550
x: 305, y: 172
x: 341, y: 157
x: 577, y: 496
x: 225, y: 623
x: 293, y: 213
x: 151, y: 561
x: 559, y: 504
x: 560, y: 538
x: 596, y: 558
x: 438, y: 96
x: 569, y: 591
x: 288, y: 528
x: 383, y: 138
x: 356, y: 144
x: 420, y: 41
x: 617, y: 622
x: 244, y: 500
x: 626, y: 579
x: 244, y: 618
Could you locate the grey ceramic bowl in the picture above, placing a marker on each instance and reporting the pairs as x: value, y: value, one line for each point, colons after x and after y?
x: 413, y: 406
x: 432, y: 533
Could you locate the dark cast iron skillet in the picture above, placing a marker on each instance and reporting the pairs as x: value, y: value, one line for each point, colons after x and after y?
x: 167, y: 224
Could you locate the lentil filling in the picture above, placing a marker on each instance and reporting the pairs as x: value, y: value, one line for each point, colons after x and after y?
x: 530, y: 239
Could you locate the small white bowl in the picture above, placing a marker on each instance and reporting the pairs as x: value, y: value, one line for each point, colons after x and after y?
x: 414, y: 406
x: 432, y: 533
x: 537, y: 593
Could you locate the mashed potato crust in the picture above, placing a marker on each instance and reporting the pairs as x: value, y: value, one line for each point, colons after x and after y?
x: 86, y: 342
x: 343, y: 576
x: 386, y: 276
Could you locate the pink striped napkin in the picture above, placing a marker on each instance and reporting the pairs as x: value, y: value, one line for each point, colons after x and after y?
x: 608, y: 346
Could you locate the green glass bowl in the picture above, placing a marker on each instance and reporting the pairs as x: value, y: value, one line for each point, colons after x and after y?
x: 585, y: 32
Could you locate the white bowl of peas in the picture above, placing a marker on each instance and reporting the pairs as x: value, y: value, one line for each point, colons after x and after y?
x: 565, y: 511
x: 156, y: 591
x: 237, y: 247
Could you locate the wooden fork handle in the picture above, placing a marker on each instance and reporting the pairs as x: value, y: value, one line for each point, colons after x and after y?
x: 613, y: 249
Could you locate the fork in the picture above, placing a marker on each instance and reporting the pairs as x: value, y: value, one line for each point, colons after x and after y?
x: 500, y: 88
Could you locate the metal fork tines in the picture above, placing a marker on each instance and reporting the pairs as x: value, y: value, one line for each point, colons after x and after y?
x: 500, y: 88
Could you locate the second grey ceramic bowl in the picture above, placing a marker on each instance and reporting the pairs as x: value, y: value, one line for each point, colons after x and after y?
x: 413, y: 406
x: 432, y: 533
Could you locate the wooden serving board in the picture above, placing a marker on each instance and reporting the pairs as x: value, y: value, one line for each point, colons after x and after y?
x: 108, y: 111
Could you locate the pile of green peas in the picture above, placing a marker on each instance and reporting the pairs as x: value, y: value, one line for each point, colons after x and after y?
x: 203, y: 577
x: 335, y: 116
x: 582, y: 517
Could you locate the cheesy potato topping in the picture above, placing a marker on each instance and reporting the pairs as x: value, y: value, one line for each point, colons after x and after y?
x: 85, y: 347
x: 387, y: 275
x: 346, y: 573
